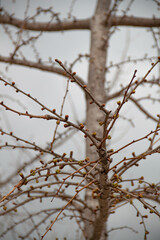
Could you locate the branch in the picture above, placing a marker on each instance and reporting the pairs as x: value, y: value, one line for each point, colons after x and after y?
x: 84, y: 87
x: 18, y: 185
x: 121, y: 228
x: 82, y: 24
x: 62, y: 209
x: 135, y: 21
x: 37, y: 65
x: 143, y: 110
x: 136, y: 159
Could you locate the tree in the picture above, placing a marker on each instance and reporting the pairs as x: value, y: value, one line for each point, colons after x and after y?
x: 101, y: 173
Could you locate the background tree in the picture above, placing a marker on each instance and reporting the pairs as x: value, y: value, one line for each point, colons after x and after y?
x: 51, y: 171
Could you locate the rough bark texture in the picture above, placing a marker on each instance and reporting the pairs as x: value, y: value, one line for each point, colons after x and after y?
x: 96, y: 81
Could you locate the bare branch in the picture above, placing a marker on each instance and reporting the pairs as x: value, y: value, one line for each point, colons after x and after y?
x: 135, y: 21
x: 142, y: 109
x: 83, y: 24
x: 37, y: 65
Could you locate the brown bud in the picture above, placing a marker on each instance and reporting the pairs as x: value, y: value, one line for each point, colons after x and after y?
x: 66, y: 117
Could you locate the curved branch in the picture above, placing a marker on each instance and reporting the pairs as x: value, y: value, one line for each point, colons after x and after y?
x: 37, y: 65
x: 143, y: 110
x: 81, y: 24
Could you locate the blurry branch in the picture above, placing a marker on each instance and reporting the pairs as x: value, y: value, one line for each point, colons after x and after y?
x: 71, y: 9
x: 19, y: 42
x: 156, y: 38
x: 119, y: 70
x: 34, y: 225
x: 61, y: 139
x: 13, y: 100
x: 142, y: 109
x: 127, y: 119
x: 77, y: 24
x: 152, y: 197
x: 42, y: 194
x: 121, y: 228
x: 80, y: 56
x: 135, y: 21
x: 148, y: 97
x: 47, y: 212
x: 120, y: 92
x: 63, y: 208
x: 20, y: 169
x: 37, y: 65
x: 130, y: 60
x: 44, y: 26
x: 64, y: 136
x: 157, y: 2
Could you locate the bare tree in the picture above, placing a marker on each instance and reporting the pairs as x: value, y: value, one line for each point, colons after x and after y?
x: 101, y: 173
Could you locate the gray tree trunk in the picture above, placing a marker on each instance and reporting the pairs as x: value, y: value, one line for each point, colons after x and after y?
x: 96, y: 85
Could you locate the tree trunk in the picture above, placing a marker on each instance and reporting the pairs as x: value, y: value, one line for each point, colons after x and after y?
x: 96, y: 85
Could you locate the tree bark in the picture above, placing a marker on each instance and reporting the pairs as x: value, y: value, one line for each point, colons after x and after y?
x: 81, y: 24
x: 96, y: 82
